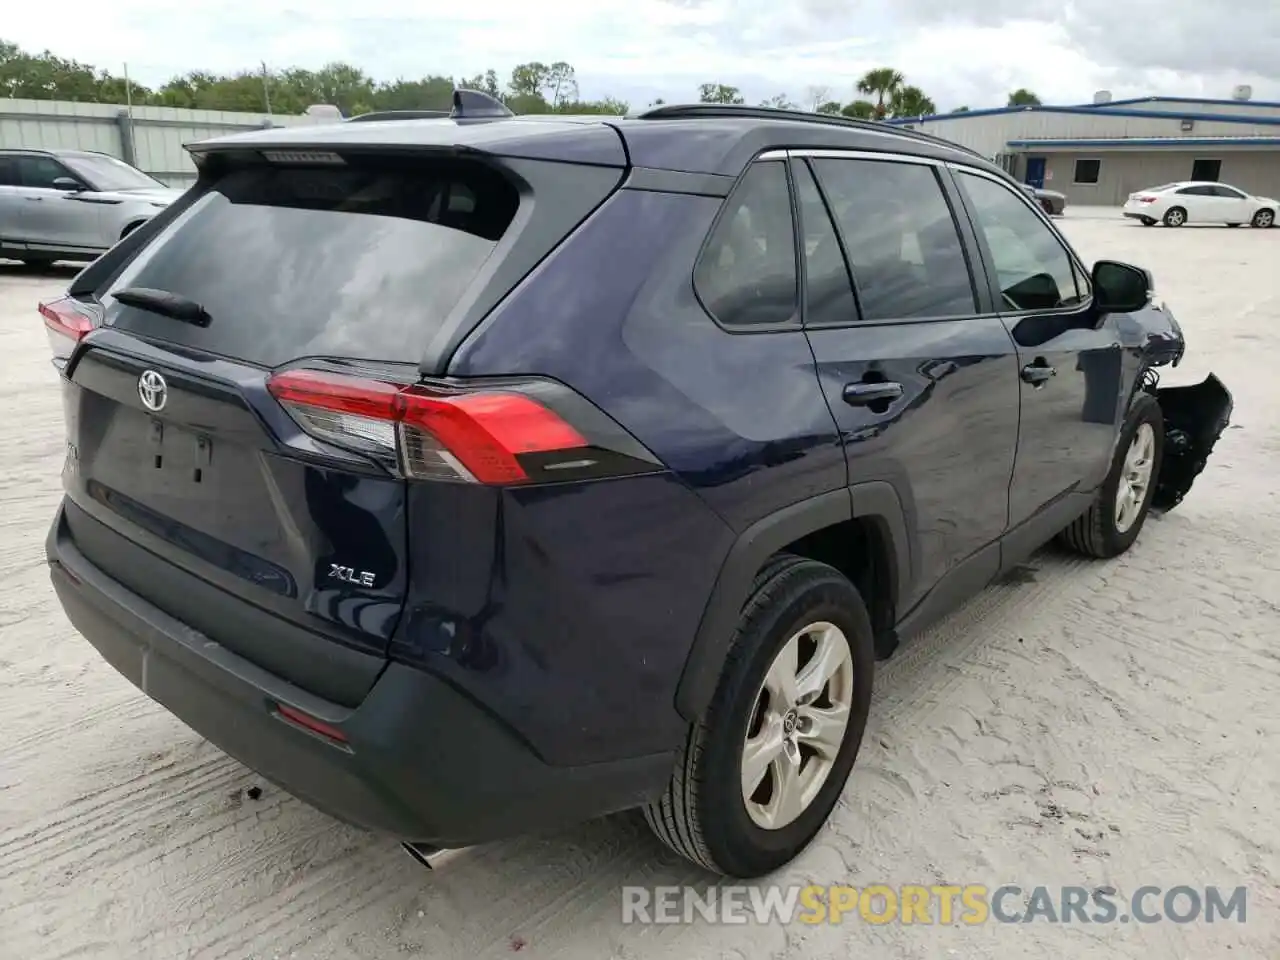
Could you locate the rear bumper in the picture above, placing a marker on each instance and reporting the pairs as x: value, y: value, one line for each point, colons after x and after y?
x: 421, y: 761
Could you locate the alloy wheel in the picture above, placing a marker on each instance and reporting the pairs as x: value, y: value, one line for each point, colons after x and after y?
x: 1135, y: 477
x: 797, y: 725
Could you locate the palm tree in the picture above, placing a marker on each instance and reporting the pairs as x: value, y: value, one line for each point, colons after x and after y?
x: 859, y: 109
x: 1022, y: 97
x: 911, y: 102
x: 884, y: 82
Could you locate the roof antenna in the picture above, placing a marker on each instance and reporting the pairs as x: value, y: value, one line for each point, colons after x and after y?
x: 476, y: 105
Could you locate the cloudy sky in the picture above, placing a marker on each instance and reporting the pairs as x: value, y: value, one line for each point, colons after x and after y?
x: 969, y: 52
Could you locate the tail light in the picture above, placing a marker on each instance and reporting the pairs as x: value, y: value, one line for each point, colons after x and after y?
x: 495, y: 436
x: 1146, y: 199
x: 65, y: 324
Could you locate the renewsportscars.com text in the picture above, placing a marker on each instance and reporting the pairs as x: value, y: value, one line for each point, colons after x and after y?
x: 970, y: 904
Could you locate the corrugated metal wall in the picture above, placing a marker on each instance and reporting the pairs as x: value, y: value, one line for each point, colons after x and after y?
x: 988, y: 134
x: 1241, y: 108
x: 1124, y: 172
x: 158, y: 133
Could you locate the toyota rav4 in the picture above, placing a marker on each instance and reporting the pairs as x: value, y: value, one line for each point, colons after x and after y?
x: 473, y: 475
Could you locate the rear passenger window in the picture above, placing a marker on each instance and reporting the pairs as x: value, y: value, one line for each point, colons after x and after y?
x: 747, y: 273
x: 901, y: 239
x: 828, y: 287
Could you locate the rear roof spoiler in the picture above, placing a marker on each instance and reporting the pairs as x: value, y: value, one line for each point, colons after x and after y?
x: 467, y: 105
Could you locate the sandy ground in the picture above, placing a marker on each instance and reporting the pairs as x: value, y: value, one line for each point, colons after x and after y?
x: 1097, y: 724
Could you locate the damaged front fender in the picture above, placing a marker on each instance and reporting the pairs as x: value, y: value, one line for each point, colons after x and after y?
x: 1194, y: 418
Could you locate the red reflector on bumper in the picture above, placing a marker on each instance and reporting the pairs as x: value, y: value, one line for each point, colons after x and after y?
x: 305, y: 720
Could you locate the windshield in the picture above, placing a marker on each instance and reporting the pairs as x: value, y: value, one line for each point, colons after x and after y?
x: 108, y: 173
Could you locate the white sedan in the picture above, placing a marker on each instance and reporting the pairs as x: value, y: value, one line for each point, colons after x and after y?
x: 1197, y: 201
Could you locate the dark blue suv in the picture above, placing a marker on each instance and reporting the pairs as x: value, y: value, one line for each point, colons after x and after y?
x: 475, y: 475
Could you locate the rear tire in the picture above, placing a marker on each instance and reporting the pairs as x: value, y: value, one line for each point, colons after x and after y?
x: 705, y: 814
x: 1175, y: 217
x: 1233, y: 224
x: 1048, y: 208
x: 1148, y: 222
x: 1106, y: 530
x: 1264, y: 219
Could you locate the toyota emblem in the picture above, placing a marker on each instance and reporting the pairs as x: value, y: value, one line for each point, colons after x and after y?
x: 153, y: 391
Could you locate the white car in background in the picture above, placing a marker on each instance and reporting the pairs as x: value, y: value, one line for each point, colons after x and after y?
x: 71, y: 204
x: 1199, y: 201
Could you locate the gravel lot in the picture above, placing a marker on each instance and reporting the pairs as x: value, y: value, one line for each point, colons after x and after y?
x: 1097, y: 724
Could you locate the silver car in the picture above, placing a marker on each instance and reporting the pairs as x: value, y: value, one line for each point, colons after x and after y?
x: 71, y: 204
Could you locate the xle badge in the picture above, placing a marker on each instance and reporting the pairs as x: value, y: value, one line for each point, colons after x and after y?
x: 362, y: 578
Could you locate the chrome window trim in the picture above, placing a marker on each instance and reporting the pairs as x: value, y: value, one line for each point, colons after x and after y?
x: 836, y: 153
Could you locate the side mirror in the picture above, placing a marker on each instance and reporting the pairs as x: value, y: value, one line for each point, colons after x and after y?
x: 1120, y: 287
x: 68, y: 184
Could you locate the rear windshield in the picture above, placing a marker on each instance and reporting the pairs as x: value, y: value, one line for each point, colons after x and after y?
x: 354, y: 261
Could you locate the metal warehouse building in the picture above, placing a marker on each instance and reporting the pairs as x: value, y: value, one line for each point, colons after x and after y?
x: 1101, y: 152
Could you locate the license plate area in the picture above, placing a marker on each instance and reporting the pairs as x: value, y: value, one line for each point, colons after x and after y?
x: 179, y: 452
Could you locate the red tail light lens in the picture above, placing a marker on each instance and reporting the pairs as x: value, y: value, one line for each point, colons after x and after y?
x: 65, y: 324
x: 1146, y: 199
x: 472, y: 436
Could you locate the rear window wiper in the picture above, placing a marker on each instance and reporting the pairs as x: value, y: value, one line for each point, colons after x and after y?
x: 172, y: 305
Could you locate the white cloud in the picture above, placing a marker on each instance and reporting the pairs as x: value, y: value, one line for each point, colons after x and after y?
x: 960, y: 51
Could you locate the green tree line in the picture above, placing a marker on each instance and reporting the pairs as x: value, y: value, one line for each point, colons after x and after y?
x: 533, y: 87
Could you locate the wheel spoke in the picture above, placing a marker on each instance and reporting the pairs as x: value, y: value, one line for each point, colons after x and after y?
x: 823, y: 729
x: 757, y: 754
x: 780, y: 681
x: 1146, y: 441
x: 1124, y: 510
x: 787, y: 801
x: 831, y: 652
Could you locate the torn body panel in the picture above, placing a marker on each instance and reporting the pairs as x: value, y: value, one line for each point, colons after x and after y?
x: 1194, y: 418
x: 1195, y: 415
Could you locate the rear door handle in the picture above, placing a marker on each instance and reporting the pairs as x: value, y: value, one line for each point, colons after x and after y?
x: 1039, y: 372
x: 34, y: 199
x: 863, y: 394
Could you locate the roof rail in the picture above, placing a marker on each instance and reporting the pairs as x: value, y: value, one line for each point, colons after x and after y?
x: 679, y: 111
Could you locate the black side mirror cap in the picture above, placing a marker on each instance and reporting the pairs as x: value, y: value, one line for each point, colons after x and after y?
x: 1120, y: 287
x: 68, y: 184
